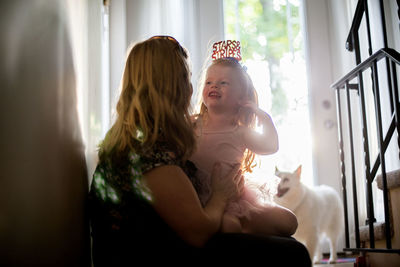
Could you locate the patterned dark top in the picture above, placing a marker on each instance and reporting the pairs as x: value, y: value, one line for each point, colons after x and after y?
x: 122, y: 217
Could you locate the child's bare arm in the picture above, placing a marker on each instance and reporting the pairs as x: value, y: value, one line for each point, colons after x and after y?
x: 271, y: 220
x: 263, y: 143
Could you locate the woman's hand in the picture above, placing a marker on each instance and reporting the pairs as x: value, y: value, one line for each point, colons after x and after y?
x: 229, y: 186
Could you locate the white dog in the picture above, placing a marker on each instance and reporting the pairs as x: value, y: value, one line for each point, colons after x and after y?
x: 319, y: 211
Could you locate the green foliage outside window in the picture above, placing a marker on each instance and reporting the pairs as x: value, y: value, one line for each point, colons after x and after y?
x: 267, y: 29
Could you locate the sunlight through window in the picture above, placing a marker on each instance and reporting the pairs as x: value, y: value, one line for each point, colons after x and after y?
x: 272, y: 49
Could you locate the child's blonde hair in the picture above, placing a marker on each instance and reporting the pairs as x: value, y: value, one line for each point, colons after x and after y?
x: 155, y: 99
x: 246, y: 118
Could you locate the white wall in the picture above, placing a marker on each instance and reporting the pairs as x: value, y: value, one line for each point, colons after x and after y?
x: 322, y: 50
x: 322, y: 98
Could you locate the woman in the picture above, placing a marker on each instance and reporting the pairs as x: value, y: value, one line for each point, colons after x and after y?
x: 141, y: 198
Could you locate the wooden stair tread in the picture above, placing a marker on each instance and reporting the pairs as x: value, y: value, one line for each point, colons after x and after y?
x: 379, y: 231
x: 392, y: 178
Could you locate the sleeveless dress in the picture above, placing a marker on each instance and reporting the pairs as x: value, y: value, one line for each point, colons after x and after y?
x: 125, y: 228
x: 228, y: 148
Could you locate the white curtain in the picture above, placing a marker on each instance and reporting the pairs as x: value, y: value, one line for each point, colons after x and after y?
x: 89, y: 34
x: 196, y: 24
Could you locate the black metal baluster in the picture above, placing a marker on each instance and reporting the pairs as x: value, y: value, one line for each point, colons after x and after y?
x: 396, y: 103
x: 353, y: 170
x: 385, y: 45
x: 368, y: 179
x: 381, y: 153
x: 343, y: 169
x: 368, y: 27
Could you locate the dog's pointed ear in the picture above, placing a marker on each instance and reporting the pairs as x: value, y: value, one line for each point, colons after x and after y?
x: 298, y: 171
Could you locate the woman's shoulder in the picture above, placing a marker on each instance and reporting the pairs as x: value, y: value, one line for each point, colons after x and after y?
x: 137, y: 160
x: 124, y: 170
x: 158, y: 155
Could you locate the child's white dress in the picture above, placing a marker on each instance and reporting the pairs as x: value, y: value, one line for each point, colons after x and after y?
x: 228, y: 148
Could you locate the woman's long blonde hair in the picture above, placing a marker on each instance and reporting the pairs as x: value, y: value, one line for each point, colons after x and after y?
x: 154, y: 101
x: 245, y: 118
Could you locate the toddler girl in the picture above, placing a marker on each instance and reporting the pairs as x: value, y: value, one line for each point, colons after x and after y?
x: 225, y: 130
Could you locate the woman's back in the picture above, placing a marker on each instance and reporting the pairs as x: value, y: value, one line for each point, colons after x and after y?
x: 125, y: 227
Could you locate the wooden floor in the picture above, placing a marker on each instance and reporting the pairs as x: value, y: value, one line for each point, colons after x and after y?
x: 345, y: 260
x: 345, y: 264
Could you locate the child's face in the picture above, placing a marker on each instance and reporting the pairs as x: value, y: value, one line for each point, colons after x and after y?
x: 222, y: 89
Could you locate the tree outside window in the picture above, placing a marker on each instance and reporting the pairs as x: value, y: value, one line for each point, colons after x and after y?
x: 271, y: 37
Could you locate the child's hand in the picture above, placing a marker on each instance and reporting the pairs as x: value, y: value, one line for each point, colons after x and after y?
x: 263, y: 141
x: 249, y: 105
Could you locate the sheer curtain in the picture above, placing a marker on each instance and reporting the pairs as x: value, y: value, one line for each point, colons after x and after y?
x: 88, y: 31
x: 195, y: 24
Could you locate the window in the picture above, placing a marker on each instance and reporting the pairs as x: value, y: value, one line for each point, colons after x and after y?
x: 271, y: 37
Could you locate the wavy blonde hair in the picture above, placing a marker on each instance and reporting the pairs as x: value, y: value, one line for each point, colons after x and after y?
x: 245, y: 118
x: 155, y: 99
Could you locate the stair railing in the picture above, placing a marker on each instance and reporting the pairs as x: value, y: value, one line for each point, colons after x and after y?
x: 354, y: 81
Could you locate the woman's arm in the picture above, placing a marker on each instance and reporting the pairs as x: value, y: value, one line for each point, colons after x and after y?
x: 176, y: 201
x: 263, y: 143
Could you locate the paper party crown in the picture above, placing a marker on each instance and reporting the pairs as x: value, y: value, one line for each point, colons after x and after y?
x: 227, y: 49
